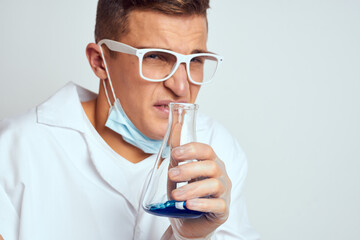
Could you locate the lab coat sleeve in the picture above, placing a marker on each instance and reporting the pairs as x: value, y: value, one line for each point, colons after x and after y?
x: 9, y: 219
x: 13, y: 171
x: 229, y: 151
x: 238, y: 225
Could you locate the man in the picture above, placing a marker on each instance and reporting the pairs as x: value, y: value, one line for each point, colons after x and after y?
x: 70, y: 169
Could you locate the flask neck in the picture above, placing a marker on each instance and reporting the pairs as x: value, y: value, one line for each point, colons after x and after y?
x: 182, y: 124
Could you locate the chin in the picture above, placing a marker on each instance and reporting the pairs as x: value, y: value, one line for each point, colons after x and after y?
x: 157, y: 136
x: 157, y: 133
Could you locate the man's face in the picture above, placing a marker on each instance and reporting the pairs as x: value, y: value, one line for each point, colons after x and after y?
x: 144, y: 102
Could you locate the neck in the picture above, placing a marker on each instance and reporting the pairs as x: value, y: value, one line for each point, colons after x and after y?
x: 97, y: 112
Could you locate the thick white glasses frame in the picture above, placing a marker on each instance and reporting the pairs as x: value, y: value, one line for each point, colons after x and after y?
x: 140, y: 53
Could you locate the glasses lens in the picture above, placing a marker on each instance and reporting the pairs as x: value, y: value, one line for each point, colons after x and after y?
x: 157, y: 65
x: 203, y: 68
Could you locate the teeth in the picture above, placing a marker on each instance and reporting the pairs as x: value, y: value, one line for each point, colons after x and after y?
x: 163, y: 106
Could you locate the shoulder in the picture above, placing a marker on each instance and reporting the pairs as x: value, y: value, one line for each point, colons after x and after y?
x: 23, y: 129
x: 20, y: 125
x: 23, y: 138
x: 212, y: 132
x: 18, y: 135
x: 209, y: 128
x: 225, y: 145
x: 15, y: 145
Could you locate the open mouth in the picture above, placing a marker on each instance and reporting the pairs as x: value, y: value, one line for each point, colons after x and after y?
x: 162, y: 107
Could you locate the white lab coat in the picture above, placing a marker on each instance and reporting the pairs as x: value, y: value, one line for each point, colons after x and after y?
x: 60, y: 180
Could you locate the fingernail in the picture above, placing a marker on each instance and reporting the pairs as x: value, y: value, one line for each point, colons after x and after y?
x: 193, y: 203
x: 179, y: 151
x: 173, y: 172
x: 179, y: 192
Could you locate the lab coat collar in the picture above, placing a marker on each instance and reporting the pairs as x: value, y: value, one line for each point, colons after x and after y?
x: 64, y: 108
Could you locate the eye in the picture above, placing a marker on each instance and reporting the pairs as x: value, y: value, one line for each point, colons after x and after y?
x: 197, y: 60
x: 152, y: 56
x: 157, y: 57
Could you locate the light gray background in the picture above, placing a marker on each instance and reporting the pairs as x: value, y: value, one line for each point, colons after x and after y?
x: 288, y: 90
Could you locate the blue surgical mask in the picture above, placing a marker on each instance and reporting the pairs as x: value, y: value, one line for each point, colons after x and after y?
x: 119, y: 122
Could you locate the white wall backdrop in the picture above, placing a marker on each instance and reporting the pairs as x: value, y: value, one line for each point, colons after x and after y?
x: 288, y: 90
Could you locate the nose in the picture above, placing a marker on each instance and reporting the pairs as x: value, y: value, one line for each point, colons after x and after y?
x: 179, y: 82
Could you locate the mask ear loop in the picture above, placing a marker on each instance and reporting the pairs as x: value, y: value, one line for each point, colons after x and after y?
x: 103, y: 81
x: 106, y: 92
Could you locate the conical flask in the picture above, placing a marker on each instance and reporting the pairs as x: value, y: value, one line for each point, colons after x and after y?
x: 181, y: 130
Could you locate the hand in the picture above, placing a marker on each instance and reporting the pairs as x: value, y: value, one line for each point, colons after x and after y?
x: 215, y: 183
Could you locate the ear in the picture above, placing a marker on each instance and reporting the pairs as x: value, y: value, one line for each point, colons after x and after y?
x: 96, y: 62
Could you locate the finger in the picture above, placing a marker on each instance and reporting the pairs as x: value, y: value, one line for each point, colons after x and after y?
x: 193, y: 170
x: 209, y: 205
x: 194, y: 150
x: 207, y: 187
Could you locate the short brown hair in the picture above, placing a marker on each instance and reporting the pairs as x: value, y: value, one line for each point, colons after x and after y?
x: 112, y: 15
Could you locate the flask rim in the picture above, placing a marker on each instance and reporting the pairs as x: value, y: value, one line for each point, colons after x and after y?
x: 186, y: 106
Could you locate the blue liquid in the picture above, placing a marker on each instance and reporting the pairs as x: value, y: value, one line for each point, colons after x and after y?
x: 168, y: 209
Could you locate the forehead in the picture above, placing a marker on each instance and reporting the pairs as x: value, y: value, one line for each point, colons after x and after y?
x: 182, y: 33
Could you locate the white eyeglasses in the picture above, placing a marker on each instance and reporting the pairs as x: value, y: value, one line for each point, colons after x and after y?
x: 157, y: 65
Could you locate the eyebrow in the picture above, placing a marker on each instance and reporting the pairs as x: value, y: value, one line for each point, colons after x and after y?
x: 192, y: 52
x: 200, y: 51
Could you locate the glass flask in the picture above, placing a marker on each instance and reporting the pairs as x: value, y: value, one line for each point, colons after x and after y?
x: 181, y: 130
